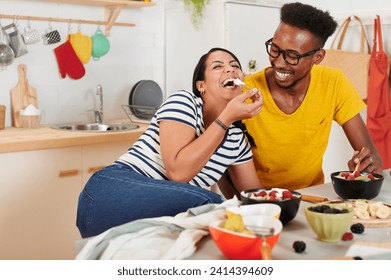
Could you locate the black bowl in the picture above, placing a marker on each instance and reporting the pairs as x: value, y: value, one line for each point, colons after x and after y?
x: 356, y: 189
x: 289, y: 207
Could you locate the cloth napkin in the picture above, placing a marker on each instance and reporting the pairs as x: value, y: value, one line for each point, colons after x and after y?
x: 368, y: 250
x: 165, y: 238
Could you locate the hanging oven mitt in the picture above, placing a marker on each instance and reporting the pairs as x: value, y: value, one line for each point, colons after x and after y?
x: 68, y: 62
x: 82, y: 45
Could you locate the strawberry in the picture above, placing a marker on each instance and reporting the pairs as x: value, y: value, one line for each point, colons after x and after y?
x: 347, y: 236
x: 260, y: 194
x: 273, y: 197
x: 370, y: 176
x: 273, y: 193
x: 287, y: 195
x: 345, y: 174
x: 350, y: 177
x: 356, y: 174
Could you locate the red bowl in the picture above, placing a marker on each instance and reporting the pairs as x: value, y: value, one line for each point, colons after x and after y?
x: 239, y: 246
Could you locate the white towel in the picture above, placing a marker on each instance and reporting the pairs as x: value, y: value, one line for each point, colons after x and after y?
x: 166, y: 238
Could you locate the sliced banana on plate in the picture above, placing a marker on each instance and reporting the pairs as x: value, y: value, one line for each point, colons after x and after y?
x: 383, y: 212
x: 361, y: 213
x: 366, y: 209
x: 373, y: 208
x: 362, y: 204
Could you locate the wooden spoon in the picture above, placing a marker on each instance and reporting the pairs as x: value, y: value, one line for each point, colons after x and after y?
x: 357, y: 167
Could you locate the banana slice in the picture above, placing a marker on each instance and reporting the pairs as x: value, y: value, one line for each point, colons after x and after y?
x: 383, y: 212
x: 362, y: 204
x: 373, y: 207
x: 361, y: 213
x: 347, y: 204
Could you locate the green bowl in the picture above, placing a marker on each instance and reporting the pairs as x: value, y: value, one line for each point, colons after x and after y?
x: 329, y: 227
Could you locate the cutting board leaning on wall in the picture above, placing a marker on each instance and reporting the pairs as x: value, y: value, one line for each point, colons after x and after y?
x: 22, y: 95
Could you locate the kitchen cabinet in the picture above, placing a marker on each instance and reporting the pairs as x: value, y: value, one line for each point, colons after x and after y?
x: 38, y: 198
x: 95, y: 157
x: 38, y: 203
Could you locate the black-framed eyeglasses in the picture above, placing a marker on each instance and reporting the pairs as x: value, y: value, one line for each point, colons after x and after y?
x: 290, y: 56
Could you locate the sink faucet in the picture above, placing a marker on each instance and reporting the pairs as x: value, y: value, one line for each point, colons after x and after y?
x: 99, y: 113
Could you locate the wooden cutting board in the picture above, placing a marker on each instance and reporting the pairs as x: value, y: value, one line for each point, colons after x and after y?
x: 371, y: 222
x: 22, y: 95
x: 374, y: 222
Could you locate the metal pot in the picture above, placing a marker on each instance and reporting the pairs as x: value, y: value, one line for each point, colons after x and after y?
x: 7, y: 54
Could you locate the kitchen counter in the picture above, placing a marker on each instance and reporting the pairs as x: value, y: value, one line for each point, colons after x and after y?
x: 20, y: 139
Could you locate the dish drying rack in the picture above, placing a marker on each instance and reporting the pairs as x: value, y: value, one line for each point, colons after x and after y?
x: 139, y: 114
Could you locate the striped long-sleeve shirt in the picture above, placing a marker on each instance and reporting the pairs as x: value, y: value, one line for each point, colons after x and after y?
x: 184, y: 107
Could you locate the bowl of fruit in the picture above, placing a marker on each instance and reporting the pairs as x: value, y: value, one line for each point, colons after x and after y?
x: 289, y: 201
x: 356, y: 185
x: 329, y: 221
x: 249, y: 238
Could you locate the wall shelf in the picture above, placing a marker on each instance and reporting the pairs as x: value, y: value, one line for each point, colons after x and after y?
x: 126, y: 3
x: 112, y: 9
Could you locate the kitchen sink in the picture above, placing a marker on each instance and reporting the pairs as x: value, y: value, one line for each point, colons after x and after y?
x: 96, y: 127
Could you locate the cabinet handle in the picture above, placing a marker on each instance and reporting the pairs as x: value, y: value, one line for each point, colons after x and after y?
x: 67, y: 173
x: 95, y: 168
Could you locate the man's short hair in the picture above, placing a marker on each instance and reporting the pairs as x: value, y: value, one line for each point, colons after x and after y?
x: 307, y: 17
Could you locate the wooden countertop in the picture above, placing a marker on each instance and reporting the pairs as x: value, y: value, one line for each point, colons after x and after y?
x: 20, y: 139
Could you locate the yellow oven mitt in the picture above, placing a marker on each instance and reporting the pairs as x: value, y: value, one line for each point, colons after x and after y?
x: 82, y: 45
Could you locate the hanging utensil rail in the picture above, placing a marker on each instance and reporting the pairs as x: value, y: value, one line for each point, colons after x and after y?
x: 67, y: 20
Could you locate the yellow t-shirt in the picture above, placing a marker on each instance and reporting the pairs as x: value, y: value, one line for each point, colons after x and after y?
x: 290, y: 147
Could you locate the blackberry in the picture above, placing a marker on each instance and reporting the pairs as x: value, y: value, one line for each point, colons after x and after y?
x: 357, y: 228
x: 327, y: 209
x: 299, y: 246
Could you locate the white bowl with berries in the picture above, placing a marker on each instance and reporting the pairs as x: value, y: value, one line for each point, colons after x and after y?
x: 289, y: 201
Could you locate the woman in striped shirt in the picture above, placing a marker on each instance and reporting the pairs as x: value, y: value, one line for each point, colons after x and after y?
x: 192, y: 140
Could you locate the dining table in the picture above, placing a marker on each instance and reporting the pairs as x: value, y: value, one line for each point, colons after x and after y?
x: 299, y: 230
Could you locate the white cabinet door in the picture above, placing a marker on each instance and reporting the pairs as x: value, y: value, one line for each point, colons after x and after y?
x: 38, y: 201
x: 98, y: 156
x: 248, y: 27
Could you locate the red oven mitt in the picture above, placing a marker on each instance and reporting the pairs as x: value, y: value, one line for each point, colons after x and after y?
x: 68, y: 62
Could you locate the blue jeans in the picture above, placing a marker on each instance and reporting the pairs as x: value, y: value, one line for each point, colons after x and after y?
x: 116, y: 195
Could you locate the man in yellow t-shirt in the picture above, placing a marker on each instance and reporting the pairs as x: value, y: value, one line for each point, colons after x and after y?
x: 301, y: 99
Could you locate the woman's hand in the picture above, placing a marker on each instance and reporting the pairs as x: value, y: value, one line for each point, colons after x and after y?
x: 243, y: 106
x: 368, y: 162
